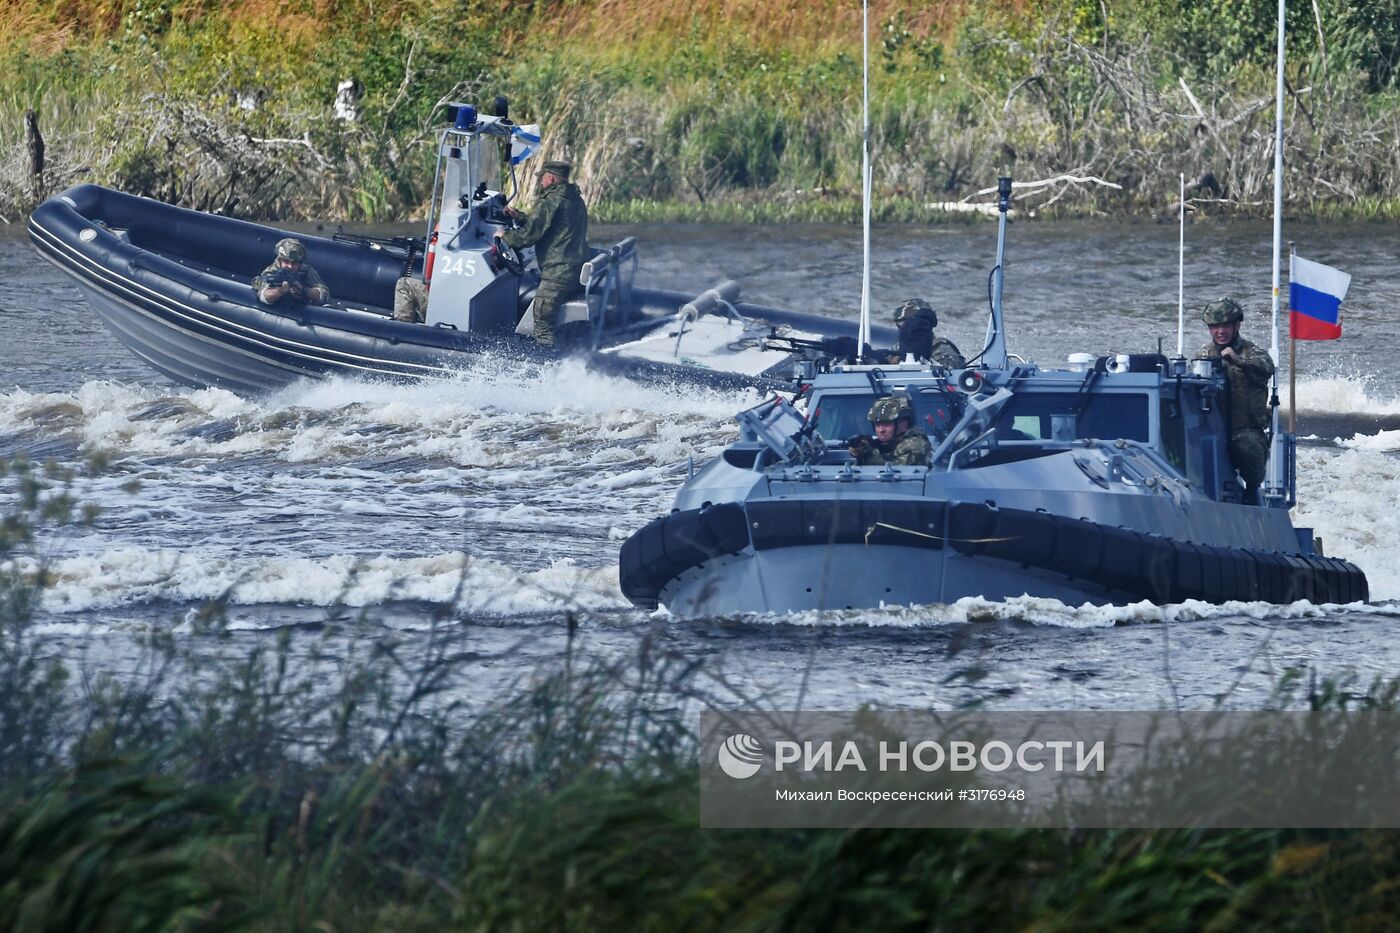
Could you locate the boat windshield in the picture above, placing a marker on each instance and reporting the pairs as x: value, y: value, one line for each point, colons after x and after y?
x: 1073, y: 416
x: 489, y: 164
x: 838, y: 417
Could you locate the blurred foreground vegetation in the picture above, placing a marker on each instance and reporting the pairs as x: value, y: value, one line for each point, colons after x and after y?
x: 343, y: 787
x: 720, y: 109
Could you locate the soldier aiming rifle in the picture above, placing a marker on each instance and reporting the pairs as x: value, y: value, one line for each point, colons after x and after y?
x: 290, y: 278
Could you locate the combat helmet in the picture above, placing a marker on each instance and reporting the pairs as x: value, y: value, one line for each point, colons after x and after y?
x: 890, y: 408
x: 291, y: 250
x: 1223, y: 311
x: 915, y: 307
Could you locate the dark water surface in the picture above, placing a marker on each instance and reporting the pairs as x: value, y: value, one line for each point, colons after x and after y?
x: 382, y: 497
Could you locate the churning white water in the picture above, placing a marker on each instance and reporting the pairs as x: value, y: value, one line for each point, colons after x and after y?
x: 503, y: 495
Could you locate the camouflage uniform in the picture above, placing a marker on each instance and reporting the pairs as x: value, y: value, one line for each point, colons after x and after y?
x: 309, y: 278
x: 291, y: 250
x: 946, y: 354
x: 558, y: 230
x: 916, y: 321
x: 1247, y: 382
x: 912, y: 448
x: 410, y: 300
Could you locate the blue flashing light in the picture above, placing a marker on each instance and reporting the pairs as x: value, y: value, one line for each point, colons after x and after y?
x: 466, y: 117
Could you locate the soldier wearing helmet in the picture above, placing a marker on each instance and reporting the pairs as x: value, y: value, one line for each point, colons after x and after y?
x: 1248, y: 369
x: 916, y: 321
x: 895, y: 441
x: 290, y: 279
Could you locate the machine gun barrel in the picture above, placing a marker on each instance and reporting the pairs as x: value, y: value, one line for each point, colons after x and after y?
x: 832, y: 348
x: 409, y: 246
x: 787, y: 344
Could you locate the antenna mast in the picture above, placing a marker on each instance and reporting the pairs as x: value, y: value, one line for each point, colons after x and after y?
x: 1274, y: 480
x: 864, y: 335
x: 994, y: 356
x: 1181, y: 273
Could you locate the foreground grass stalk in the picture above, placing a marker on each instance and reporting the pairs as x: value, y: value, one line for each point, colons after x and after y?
x: 267, y: 782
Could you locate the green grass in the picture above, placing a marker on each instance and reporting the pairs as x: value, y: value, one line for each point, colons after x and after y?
x: 669, y: 112
x: 339, y: 783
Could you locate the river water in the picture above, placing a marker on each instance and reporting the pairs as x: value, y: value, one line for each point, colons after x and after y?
x: 504, y: 495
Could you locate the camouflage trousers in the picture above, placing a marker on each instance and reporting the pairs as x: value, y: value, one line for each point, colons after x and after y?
x: 410, y: 300
x: 1249, y: 452
x: 549, y: 298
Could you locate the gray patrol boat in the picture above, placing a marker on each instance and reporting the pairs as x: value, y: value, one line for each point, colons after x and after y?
x: 1105, y: 482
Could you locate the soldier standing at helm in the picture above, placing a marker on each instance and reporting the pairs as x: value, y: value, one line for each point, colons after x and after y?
x: 558, y: 230
x: 895, y: 441
x: 916, y: 321
x: 290, y: 278
x: 1248, y: 369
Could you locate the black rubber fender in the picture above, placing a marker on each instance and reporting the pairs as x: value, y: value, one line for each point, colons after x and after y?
x: 1120, y: 567
x: 775, y: 523
x: 642, y: 564
x: 687, y: 539
x: 1078, y: 547
x: 665, y: 547
x: 1141, y: 566
x: 1159, y: 568
x: 970, y: 524
x: 907, y: 523
x: 1022, y: 537
x: 1303, y: 577
x: 1189, y: 577
x: 1249, y: 582
x: 1275, y: 585
x: 728, y: 524
x: 1213, y: 574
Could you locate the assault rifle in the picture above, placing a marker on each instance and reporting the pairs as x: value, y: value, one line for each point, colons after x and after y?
x: 293, y: 277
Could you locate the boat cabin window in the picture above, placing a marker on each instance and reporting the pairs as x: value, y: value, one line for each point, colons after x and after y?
x: 1036, y: 416
x: 837, y: 416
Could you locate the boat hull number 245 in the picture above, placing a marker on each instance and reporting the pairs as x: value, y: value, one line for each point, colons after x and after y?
x: 458, y: 265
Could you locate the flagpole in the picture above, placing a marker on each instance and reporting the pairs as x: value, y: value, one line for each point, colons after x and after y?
x: 1292, y: 356
x: 864, y: 333
x: 1275, y: 476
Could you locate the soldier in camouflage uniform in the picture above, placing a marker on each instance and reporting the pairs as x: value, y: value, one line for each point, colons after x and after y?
x: 558, y: 230
x: 290, y: 278
x: 916, y: 321
x: 895, y: 442
x: 410, y: 300
x: 1247, y: 372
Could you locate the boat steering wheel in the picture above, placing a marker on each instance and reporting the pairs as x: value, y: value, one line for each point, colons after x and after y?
x: 507, y: 257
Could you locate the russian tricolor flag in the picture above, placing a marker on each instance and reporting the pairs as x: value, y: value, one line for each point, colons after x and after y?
x: 1315, y: 294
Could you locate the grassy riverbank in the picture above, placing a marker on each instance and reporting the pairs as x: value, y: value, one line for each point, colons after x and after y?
x: 736, y: 110
x: 332, y: 779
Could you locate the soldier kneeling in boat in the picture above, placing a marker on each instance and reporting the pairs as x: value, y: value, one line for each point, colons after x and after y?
x: 290, y: 278
x: 1248, y: 369
x: 410, y: 300
x: 896, y: 441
